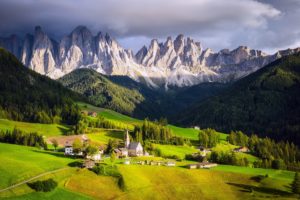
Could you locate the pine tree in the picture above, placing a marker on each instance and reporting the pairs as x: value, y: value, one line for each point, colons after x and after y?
x: 296, y: 184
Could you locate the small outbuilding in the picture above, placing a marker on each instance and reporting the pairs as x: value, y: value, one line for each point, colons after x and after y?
x: 170, y: 164
x: 242, y: 150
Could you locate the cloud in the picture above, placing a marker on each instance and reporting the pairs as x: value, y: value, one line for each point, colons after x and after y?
x: 218, y: 23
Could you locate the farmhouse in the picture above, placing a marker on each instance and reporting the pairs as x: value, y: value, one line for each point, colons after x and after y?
x: 92, y: 114
x: 121, y: 152
x: 207, y: 165
x: 203, y: 165
x: 95, y: 157
x: 170, y: 164
x: 241, y: 150
x: 68, y: 149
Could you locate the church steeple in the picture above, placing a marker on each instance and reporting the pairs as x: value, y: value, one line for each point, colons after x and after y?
x: 127, y: 139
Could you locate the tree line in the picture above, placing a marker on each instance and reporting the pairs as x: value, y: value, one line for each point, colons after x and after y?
x: 277, y: 155
x: 156, y: 132
x: 208, y: 138
x: 17, y: 136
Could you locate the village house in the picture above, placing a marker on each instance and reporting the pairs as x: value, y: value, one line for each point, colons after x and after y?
x: 68, y: 149
x: 95, y: 157
x: 170, y: 164
x: 69, y: 146
x: 121, y: 152
x: 84, y: 112
x: 242, y: 150
x: 202, y: 165
x: 92, y: 114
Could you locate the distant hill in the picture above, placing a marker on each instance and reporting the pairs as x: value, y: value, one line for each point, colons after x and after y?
x: 266, y: 102
x: 28, y: 96
x: 118, y: 93
x: 124, y: 95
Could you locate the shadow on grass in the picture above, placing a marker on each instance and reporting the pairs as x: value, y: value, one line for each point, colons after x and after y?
x: 75, y: 164
x: 114, y: 134
x: 251, y: 188
x: 64, y: 130
x: 52, y: 153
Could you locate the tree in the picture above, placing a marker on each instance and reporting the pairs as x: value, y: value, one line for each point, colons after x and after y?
x: 91, y: 150
x: 203, y: 139
x: 112, y: 144
x: 54, y: 143
x: 296, y: 184
x: 113, y: 157
x: 77, y: 145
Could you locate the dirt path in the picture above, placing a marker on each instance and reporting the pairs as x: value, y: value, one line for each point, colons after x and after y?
x: 32, y: 178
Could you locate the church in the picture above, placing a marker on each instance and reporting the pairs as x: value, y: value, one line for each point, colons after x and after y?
x: 134, y: 148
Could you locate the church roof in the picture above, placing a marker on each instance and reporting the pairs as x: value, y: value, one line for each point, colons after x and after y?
x: 133, y: 145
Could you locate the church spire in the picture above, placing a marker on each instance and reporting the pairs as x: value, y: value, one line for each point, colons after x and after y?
x: 127, y: 139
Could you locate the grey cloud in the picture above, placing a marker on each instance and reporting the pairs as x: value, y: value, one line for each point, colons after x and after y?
x: 216, y: 23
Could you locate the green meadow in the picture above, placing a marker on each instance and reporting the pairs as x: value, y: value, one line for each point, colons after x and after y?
x: 44, y: 129
x: 19, y: 163
x: 172, y: 150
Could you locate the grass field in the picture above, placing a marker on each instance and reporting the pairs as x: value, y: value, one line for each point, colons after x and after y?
x: 147, y: 182
x: 141, y: 182
x: 102, y: 136
x: 19, y: 163
x: 44, y: 129
x: 189, y: 133
x: 180, y: 151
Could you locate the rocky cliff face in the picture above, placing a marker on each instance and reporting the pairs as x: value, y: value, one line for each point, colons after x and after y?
x: 179, y: 62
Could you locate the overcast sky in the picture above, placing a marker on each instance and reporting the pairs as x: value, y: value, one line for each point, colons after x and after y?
x: 266, y: 24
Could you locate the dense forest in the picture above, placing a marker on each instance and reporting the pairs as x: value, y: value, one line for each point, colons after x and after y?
x: 266, y: 103
x: 28, y: 96
x: 277, y: 155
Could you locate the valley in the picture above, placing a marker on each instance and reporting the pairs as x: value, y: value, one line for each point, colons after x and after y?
x: 149, y: 100
x: 141, y: 181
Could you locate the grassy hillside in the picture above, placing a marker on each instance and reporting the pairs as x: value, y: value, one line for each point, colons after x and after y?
x: 146, y: 182
x: 103, y: 92
x: 141, y: 182
x: 124, y: 95
x: 266, y: 102
x: 43, y: 129
x: 20, y: 163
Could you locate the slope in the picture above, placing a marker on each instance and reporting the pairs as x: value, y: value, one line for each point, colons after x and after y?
x: 124, y: 95
x: 28, y: 96
x: 102, y: 92
x: 266, y: 102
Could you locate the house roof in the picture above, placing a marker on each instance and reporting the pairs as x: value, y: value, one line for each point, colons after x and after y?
x: 134, y: 145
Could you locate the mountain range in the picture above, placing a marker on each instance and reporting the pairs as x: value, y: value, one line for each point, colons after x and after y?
x: 266, y: 103
x: 179, y: 62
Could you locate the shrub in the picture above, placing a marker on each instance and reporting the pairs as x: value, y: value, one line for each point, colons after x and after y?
x: 43, y: 186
